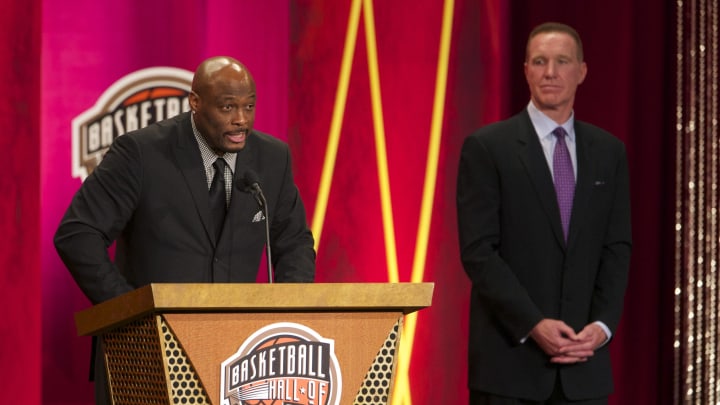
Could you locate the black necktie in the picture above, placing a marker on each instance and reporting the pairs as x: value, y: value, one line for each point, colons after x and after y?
x: 218, y: 203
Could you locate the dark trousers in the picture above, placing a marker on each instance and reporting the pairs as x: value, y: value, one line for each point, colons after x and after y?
x: 556, y: 398
x: 99, y: 374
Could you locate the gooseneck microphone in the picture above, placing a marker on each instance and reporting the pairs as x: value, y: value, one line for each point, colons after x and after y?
x: 252, y: 183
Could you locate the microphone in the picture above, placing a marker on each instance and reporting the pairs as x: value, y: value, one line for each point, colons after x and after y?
x: 252, y: 184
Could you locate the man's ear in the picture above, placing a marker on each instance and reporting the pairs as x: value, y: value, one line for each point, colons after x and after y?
x: 583, y: 72
x: 194, y: 101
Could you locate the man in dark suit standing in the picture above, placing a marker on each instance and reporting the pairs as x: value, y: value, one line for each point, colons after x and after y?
x: 544, y: 226
x: 153, y: 193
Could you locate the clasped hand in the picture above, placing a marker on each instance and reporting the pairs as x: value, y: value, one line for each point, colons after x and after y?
x: 563, y: 345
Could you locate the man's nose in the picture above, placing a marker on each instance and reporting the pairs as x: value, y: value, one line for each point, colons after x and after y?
x: 240, y: 117
x: 551, y: 69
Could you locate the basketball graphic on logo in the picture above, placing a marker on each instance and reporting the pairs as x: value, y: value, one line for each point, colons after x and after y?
x: 282, y: 364
x: 154, y: 94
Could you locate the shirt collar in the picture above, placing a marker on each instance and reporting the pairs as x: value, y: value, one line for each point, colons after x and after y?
x: 544, y: 125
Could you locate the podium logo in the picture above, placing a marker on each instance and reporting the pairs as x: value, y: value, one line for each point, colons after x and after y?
x: 282, y: 364
x: 133, y: 102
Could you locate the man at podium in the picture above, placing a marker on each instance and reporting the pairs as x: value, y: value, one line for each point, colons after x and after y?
x: 181, y: 198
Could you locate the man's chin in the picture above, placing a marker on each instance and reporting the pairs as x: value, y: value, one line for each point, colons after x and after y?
x: 549, y: 103
x: 235, y: 147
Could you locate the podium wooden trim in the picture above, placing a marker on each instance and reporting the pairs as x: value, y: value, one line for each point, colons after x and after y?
x: 364, y: 320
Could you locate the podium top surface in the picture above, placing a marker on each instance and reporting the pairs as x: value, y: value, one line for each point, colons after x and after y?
x: 254, y: 298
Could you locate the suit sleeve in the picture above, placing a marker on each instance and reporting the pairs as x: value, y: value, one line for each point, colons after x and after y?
x: 292, y: 242
x: 478, y: 215
x: 611, y: 280
x: 96, y: 216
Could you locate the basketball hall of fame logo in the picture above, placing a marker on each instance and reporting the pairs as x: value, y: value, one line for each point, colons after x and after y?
x: 133, y: 102
x: 282, y: 364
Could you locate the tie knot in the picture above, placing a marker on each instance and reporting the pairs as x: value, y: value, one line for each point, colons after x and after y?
x: 559, y: 132
x: 219, y: 165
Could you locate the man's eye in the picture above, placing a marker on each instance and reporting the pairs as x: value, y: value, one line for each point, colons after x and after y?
x: 227, y: 107
x: 250, y: 107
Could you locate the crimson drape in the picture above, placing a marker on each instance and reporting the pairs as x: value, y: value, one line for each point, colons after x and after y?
x: 20, y: 356
x: 627, y: 45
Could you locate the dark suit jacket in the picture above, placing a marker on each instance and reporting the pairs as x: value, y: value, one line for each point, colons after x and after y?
x: 513, y: 250
x: 150, y: 193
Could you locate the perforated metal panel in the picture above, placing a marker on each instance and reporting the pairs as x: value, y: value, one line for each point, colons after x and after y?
x: 146, y: 365
x: 378, y: 380
x: 136, y: 373
x: 185, y: 386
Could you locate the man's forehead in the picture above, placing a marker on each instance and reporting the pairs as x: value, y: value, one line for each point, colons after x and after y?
x: 552, y: 42
x: 236, y: 95
x: 232, y: 84
x: 233, y: 95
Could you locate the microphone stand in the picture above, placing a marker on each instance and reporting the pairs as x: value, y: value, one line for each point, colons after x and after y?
x: 252, y: 183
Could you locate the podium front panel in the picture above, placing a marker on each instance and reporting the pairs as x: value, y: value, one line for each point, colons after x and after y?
x: 197, y: 349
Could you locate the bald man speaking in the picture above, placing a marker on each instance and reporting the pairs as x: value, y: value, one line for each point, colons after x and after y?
x: 155, y: 193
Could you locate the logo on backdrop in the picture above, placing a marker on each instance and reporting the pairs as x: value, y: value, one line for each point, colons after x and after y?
x: 282, y: 363
x: 134, y: 101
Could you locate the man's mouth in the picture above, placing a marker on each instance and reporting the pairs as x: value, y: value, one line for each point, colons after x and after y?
x: 237, y: 136
x: 550, y: 87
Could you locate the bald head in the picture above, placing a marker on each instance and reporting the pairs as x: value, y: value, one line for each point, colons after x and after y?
x: 219, y: 68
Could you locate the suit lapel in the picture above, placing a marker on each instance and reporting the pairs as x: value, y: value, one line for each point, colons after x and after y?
x: 242, y: 204
x: 533, y: 158
x: 190, y: 164
x: 584, y: 183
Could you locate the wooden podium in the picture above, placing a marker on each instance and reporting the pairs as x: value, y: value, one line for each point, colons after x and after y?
x: 254, y: 344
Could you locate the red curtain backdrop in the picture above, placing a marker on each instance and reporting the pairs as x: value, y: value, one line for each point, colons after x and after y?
x: 627, y: 45
x: 353, y: 246
x: 60, y: 56
x: 20, y: 328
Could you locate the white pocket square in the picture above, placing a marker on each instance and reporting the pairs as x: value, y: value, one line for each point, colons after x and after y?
x: 259, y: 216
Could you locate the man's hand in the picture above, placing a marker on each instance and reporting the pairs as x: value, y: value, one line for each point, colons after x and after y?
x: 589, y: 339
x: 563, y: 345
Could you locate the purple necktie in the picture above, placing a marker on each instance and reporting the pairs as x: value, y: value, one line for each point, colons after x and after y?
x: 564, y: 178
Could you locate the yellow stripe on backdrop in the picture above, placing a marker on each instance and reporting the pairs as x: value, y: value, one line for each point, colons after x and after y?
x: 380, y: 147
x: 336, y: 123
x: 402, y: 385
x: 401, y: 391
